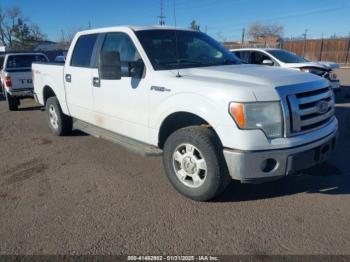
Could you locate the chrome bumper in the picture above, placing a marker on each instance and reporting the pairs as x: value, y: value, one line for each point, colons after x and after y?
x: 21, y: 92
x: 262, y: 166
x: 335, y: 84
x: 36, y: 97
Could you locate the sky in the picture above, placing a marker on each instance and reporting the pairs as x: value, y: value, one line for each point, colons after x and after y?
x: 222, y: 19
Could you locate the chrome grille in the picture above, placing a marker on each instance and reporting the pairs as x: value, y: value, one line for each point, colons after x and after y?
x: 311, y: 109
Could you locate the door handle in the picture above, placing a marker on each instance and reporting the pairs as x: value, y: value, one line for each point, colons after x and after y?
x: 96, y: 82
x: 68, y: 78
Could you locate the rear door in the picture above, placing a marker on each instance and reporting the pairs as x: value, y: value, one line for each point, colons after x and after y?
x: 78, y: 78
x: 19, y: 68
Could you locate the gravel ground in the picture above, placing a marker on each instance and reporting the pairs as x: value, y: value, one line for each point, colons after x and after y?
x: 82, y: 195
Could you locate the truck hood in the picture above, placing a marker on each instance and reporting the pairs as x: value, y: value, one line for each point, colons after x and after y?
x: 329, y: 64
x: 261, y: 81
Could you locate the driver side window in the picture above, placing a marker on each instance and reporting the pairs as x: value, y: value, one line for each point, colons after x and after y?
x: 123, y: 44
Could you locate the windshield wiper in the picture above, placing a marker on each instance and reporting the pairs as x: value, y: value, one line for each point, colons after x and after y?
x: 183, y: 61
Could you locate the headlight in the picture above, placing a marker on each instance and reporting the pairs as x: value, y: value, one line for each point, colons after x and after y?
x: 333, y: 76
x: 266, y: 116
x: 306, y: 70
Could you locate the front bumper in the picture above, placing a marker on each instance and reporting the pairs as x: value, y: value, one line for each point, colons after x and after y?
x: 262, y: 166
x: 21, y: 92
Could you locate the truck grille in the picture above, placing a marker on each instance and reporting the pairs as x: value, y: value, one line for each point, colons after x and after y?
x: 310, y: 110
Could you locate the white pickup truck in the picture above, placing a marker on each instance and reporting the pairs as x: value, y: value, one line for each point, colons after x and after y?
x: 16, y: 76
x: 179, y: 93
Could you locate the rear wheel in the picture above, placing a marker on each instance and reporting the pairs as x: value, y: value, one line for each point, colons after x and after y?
x: 59, y: 123
x: 194, y: 163
x: 12, y: 102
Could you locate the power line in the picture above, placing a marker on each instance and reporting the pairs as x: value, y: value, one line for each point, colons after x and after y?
x: 300, y: 14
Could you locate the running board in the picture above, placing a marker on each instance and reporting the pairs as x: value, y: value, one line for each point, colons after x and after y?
x: 128, y: 143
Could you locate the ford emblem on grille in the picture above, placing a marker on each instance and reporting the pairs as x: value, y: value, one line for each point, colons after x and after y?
x: 322, y: 107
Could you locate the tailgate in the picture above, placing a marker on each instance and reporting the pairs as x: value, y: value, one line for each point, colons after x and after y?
x: 21, y: 79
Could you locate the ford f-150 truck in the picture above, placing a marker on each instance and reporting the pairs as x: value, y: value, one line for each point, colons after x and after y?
x: 180, y: 94
x: 16, y: 76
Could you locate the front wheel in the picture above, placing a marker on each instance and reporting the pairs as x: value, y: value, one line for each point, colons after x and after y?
x: 59, y: 123
x: 194, y: 163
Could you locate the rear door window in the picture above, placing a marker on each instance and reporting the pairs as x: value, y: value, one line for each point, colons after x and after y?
x: 83, y: 51
x: 244, y: 56
x: 237, y: 53
x: 23, y: 61
x: 258, y: 58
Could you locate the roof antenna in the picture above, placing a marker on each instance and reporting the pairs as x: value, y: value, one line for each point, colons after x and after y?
x: 177, y: 47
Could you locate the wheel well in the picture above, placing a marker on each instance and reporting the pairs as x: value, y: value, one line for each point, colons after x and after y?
x: 47, y: 93
x: 177, y: 121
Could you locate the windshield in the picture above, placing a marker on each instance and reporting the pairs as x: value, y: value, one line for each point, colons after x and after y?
x: 286, y: 57
x: 176, y: 49
x: 23, y: 61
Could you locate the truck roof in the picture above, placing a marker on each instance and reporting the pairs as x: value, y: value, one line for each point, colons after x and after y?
x: 133, y: 28
x: 21, y: 53
x: 254, y: 49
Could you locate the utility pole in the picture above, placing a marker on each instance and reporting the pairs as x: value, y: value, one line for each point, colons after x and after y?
x: 347, y: 52
x: 243, y: 36
x: 161, y: 16
x: 305, y: 37
x: 321, y: 49
x: 174, y: 9
x: 206, y: 29
x: 89, y: 24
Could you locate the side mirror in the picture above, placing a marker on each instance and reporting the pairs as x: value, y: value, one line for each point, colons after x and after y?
x: 110, y: 66
x: 268, y: 62
x: 136, y: 69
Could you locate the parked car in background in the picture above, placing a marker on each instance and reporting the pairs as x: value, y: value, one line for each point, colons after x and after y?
x: 16, y: 76
x: 286, y: 59
x: 60, y: 59
x: 180, y: 94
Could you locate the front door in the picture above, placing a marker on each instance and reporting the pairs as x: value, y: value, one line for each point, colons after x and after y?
x: 121, y: 105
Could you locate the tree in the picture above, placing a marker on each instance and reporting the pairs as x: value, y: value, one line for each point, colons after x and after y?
x: 194, y: 25
x: 258, y: 30
x: 17, y: 32
x: 67, y: 37
x: 220, y: 37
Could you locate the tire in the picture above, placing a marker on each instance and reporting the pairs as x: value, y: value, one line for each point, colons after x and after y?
x: 59, y: 123
x: 3, y: 93
x: 185, y: 168
x: 12, y: 102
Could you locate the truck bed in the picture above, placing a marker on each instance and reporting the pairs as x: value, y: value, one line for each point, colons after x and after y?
x: 48, y: 75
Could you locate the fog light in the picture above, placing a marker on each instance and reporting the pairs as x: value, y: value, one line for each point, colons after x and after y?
x: 268, y: 165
